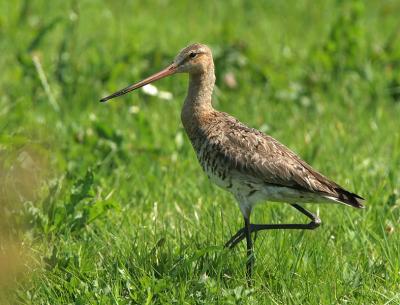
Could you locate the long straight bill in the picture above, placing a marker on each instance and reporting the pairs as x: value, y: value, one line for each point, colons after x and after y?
x: 171, y: 69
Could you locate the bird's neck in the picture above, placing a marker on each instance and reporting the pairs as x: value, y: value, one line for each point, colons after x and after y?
x: 198, y: 99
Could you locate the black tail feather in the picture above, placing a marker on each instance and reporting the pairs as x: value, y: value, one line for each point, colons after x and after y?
x: 349, y: 198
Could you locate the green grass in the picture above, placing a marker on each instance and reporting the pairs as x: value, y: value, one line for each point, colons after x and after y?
x: 111, y: 206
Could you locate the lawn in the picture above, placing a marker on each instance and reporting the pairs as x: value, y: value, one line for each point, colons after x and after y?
x: 107, y: 204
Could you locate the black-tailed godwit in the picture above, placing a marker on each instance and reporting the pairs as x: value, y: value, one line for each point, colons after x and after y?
x: 251, y: 165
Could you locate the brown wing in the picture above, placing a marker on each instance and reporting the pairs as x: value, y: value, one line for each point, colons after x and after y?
x: 251, y: 152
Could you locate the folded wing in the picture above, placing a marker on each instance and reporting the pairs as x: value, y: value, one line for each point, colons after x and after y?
x: 251, y: 152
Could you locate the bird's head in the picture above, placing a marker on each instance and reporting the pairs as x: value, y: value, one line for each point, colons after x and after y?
x: 194, y: 59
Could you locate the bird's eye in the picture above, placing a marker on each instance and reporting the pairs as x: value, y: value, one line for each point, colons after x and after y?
x: 192, y: 55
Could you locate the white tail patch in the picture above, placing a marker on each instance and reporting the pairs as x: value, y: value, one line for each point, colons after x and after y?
x: 334, y: 199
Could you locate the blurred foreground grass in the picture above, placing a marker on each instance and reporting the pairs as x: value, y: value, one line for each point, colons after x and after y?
x: 106, y: 204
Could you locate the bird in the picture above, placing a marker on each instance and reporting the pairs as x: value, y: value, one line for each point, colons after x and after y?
x: 251, y: 165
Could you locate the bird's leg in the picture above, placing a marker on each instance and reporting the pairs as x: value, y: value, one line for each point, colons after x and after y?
x: 250, y: 253
x: 241, y: 234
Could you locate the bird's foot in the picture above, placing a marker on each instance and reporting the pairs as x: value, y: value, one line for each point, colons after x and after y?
x: 235, y: 239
